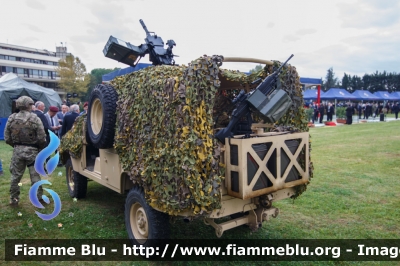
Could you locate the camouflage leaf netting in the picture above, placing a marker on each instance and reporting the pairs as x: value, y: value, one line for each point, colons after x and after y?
x: 72, y: 141
x: 165, y: 118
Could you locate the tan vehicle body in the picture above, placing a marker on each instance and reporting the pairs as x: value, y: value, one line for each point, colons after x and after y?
x: 239, y: 195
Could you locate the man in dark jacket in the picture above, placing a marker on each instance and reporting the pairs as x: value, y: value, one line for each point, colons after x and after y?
x: 368, y: 110
x: 329, y: 112
x: 40, y: 113
x: 60, y: 116
x: 316, y: 112
x: 349, y: 114
x: 321, y: 111
x: 396, y: 109
x: 69, y: 119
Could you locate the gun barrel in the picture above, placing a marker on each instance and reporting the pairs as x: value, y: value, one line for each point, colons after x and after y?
x: 144, y: 27
x: 279, y: 69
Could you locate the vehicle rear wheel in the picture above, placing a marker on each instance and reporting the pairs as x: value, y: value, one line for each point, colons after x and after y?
x: 144, y: 224
x: 76, y: 183
x: 101, y: 116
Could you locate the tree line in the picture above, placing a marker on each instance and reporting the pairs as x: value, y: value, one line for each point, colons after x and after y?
x: 378, y: 81
x: 75, y: 79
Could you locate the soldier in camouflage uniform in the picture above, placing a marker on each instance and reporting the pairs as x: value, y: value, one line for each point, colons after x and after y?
x: 24, y: 131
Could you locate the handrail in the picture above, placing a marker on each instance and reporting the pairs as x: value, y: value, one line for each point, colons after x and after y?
x: 248, y: 60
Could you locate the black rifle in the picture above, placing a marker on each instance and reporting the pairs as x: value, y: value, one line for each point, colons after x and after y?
x: 130, y: 54
x: 270, y: 102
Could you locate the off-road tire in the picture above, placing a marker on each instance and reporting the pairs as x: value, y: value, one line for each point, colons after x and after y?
x: 76, y: 183
x: 145, y: 226
x: 101, y: 116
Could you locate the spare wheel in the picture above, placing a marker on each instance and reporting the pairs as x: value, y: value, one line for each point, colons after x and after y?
x: 101, y: 116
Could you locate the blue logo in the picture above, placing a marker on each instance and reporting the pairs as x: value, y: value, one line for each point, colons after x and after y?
x: 35, y: 201
x: 45, y: 153
x: 50, y: 166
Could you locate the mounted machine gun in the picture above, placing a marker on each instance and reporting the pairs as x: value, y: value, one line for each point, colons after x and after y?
x: 130, y: 54
x: 271, y: 102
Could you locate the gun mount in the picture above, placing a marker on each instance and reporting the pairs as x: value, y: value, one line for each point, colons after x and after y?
x: 130, y: 54
x: 270, y: 101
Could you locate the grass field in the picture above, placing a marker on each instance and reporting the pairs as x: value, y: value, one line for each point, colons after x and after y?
x: 355, y: 194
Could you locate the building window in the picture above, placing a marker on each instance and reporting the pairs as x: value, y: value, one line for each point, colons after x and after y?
x: 28, y: 60
x: 35, y: 73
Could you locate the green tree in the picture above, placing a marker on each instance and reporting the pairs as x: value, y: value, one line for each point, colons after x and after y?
x: 256, y: 69
x: 72, y: 72
x: 330, y: 80
x: 356, y: 83
x: 346, y: 82
x: 367, y: 82
x: 394, y: 82
x: 96, y: 76
x: 372, y: 82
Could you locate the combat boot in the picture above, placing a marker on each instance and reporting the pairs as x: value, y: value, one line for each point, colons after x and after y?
x: 42, y: 201
x: 14, y: 203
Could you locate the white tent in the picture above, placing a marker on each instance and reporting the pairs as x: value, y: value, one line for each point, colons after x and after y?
x: 12, y: 86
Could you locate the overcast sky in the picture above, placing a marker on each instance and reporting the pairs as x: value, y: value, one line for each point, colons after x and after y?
x: 351, y: 36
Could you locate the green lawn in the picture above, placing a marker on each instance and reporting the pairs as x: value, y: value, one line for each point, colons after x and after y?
x: 355, y: 194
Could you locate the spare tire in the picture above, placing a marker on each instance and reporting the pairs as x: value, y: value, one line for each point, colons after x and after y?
x: 101, y: 116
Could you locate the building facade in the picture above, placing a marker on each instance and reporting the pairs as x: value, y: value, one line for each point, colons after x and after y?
x: 33, y: 65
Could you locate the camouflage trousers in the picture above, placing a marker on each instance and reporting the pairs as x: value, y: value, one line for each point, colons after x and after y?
x: 23, y: 156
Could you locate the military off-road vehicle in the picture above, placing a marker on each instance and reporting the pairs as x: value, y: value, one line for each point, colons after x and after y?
x: 194, y: 141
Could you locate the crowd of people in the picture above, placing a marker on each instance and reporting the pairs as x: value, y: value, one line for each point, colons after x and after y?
x: 363, y: 110
x: 28, y: 132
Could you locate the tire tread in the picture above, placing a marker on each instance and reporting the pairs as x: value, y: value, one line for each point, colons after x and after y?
x: 80, y: 183
x: 108, y: 97
x: 158, y: 222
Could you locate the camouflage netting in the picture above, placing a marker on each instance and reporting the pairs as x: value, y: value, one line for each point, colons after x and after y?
x: 164, y: 116
x: 166, y: 119
x: 72, y: 141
